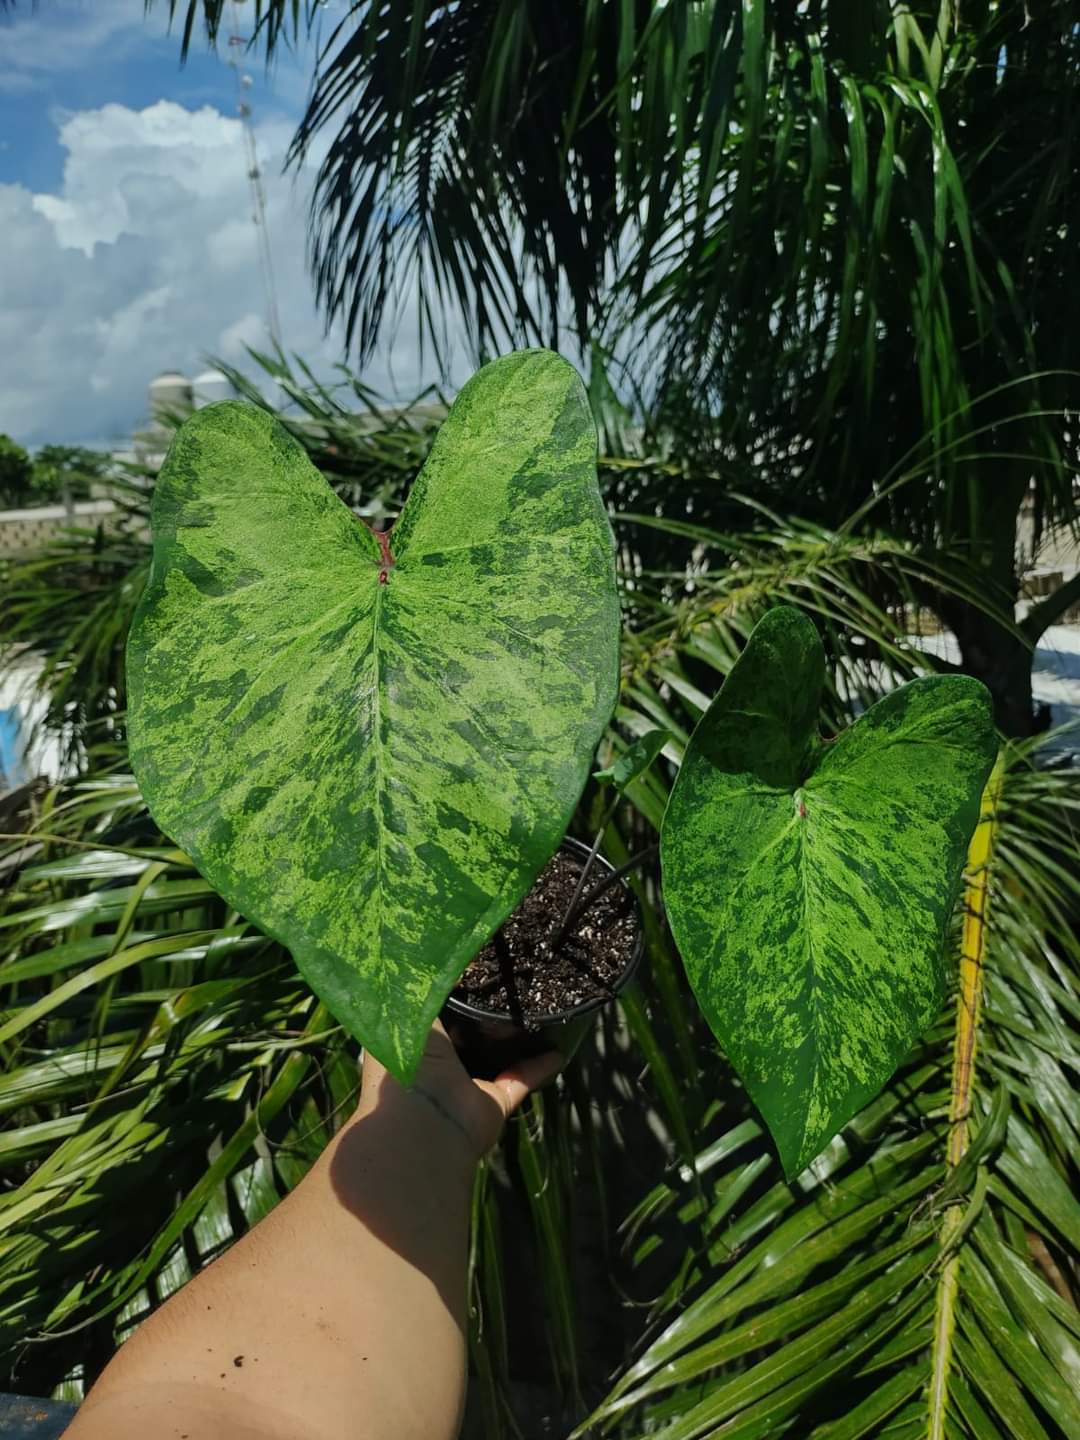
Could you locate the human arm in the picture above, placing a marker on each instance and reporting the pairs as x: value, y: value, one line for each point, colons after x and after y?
x: 343, y: 1313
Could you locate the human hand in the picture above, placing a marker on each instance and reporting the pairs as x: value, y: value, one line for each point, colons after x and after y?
x: 475, y: 1111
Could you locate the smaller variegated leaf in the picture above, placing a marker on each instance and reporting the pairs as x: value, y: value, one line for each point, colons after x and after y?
x: 809, y: 884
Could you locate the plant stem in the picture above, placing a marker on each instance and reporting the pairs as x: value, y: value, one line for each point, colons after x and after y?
x: 560, y: 934
x: 575, y: 912
x: 969, y: 1007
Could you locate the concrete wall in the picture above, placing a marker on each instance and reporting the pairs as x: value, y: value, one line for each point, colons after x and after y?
x: 22, y: 531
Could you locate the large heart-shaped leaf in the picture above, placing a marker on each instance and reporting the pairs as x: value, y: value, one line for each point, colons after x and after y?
x: 372, y: 745
x: 809, y: 884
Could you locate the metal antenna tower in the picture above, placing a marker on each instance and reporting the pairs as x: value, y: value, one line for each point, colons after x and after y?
x: 237, y: 43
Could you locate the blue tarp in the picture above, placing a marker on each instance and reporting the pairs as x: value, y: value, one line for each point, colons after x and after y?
x: 22, y: 1418
x: 11, y: 750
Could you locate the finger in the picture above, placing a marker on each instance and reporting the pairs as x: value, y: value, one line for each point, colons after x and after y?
x: 524, y: 1076
x: 370, y: 1067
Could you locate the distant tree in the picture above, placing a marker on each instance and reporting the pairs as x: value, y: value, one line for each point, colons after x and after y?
x: 16, y: 473
x: 60, y: 470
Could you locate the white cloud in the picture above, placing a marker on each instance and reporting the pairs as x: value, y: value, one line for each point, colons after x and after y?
x: 146, y: 259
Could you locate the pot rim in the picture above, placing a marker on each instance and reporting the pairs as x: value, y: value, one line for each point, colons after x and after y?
x: 584, y: 1007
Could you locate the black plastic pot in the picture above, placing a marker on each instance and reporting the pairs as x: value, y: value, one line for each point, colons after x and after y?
x: 488, y: 1042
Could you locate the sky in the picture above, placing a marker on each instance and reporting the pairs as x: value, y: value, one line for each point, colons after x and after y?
x: 128, y: 246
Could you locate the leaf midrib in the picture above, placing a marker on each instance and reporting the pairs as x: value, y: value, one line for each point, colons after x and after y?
x: 812, y: 978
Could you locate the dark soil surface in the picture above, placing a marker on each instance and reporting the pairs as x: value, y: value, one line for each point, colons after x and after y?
x: 518, y: 973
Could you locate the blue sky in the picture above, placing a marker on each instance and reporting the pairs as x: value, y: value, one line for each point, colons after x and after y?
x: 81, y: 54
x: 125, y: 210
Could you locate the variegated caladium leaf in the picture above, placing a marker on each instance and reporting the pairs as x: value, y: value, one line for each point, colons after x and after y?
x: 809, y: 884
x: 372, y: 744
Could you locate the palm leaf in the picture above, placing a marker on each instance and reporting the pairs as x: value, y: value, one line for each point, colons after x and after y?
x: 277, y: 22
x: 492, y: 156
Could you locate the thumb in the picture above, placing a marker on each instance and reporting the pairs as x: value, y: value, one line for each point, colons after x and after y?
x: 511, y: 1087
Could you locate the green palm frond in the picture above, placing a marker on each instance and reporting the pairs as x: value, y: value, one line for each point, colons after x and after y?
x: 865, y: 272
x: 276, y: 22
x: 497, y: 156
x: 862, y: 589
x: 154, y: 1047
